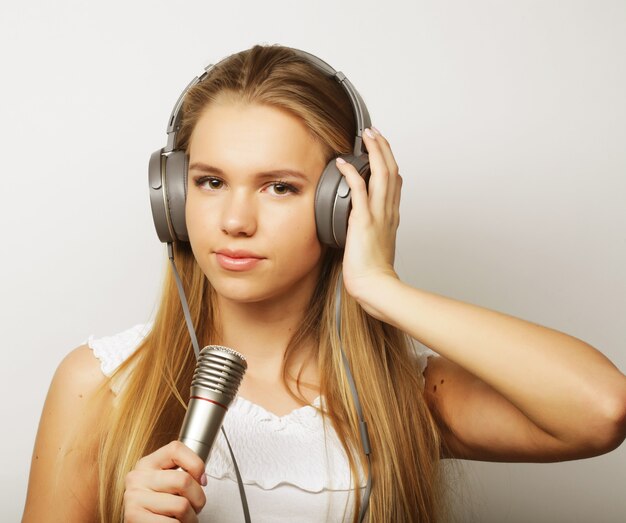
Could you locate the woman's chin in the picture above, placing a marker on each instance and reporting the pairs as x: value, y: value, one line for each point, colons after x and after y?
x: 242, y: 292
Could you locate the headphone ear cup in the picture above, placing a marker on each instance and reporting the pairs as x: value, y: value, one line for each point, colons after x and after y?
x: 167, y: 176
x: 160, y: 211
x: 325, y: 197
x: 333, y: 201
x: 176, y: 167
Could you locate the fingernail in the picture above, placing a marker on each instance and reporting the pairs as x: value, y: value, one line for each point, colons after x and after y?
x: 376, y: 130
x: 370, y: 133
x: 340, y: 160
x: 203, y: 480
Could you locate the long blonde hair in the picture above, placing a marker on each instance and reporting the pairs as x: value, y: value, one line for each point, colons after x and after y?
x: 405, y: 440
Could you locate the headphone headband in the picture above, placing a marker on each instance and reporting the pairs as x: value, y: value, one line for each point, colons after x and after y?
x: 361, y: 114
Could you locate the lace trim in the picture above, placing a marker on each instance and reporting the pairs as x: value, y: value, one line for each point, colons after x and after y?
x: 287, y: 450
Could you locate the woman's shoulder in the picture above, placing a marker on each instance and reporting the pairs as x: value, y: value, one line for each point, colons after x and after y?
x: 73, y: 415
x: 109, y: 352
x: 79, y: 370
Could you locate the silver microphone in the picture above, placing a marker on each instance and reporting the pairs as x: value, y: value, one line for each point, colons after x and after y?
x: 219, y: 372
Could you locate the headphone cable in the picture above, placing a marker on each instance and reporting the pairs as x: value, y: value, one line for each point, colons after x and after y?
x: 365, y: 441
x: 357, y: 404
x: 194, y: 341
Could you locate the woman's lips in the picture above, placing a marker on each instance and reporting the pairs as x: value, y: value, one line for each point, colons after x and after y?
x: 236, y: 263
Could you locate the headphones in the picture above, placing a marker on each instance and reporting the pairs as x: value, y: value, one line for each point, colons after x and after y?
x: 167, y: 172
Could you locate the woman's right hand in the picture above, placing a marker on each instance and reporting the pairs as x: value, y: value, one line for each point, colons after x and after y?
x: 154, y: 488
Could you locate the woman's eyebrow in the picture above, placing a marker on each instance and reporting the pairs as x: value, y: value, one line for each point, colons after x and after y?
x: 275, y: 173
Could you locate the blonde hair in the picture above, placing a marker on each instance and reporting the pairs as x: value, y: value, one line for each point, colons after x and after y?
x: 405, y: 440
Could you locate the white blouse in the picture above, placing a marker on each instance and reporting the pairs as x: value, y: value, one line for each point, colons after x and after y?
x: 291, y: 469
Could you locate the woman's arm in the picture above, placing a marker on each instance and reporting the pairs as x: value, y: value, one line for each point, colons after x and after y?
x: 73, y: 499
x: 564, y: 386
x: 514, y: 370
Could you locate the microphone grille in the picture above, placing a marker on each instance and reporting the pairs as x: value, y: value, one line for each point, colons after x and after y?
x: 220, y: 370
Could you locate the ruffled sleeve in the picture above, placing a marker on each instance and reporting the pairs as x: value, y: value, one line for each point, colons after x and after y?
x: 113, y: 350
x: 421, y: 353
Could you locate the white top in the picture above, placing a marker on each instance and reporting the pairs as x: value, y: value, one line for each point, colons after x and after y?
x: 291, y: 472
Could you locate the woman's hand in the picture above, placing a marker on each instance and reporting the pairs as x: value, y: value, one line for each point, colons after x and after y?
x: 155, y: 489
x: 373, y: 222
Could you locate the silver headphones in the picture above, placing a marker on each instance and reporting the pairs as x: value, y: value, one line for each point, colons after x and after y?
x: 167, y: 172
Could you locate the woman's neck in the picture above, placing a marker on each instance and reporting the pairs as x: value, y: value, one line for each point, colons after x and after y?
x: 261, y: 331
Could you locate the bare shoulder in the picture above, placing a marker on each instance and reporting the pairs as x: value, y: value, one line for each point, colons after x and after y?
x: 80, y: 369
x: 62, y: 485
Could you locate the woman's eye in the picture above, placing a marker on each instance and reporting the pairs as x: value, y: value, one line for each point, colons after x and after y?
x: 281, y: 188
x: 210, y: 183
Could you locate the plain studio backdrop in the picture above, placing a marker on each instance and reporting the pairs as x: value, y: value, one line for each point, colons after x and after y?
x: 508, y: 122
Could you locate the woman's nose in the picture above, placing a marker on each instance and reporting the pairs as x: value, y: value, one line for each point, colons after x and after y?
x: 238, y: 216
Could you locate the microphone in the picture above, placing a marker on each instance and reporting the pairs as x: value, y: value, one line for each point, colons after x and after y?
x: 219, y: 372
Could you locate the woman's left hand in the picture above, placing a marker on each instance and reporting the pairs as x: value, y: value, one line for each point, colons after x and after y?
x: 371, y: 239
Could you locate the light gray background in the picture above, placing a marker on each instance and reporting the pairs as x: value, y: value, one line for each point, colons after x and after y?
x: 508, y: 121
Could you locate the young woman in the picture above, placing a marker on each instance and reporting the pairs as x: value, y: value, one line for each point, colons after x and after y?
x: 258, y: 132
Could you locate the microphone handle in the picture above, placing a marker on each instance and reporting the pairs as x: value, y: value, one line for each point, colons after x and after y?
x: 203, y: 421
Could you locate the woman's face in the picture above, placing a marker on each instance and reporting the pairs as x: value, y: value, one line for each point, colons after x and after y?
x: 252, y: 231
